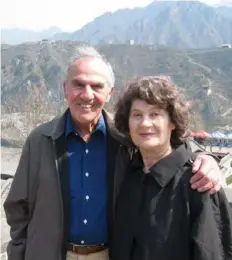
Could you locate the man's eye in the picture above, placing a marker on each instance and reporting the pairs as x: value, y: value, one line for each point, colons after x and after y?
x: 78, y: 84
x: 97, y: 86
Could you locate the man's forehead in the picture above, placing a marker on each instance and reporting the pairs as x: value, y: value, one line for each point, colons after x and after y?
x: 89, y: 78
x: 89, y: 66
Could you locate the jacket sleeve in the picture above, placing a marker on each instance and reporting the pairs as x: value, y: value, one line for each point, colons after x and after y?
x: 16, y: 208
x: 211, y: 226
x: 197, y: 149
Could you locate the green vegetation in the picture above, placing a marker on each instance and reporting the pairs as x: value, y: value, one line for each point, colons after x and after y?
x: 229, y: 180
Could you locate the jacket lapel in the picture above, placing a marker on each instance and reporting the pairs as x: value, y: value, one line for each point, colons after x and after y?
x: 114, y: 141
x: 112, y: 148
x: 63, y: 175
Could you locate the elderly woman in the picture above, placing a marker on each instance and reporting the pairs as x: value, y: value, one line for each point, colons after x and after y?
x: 158, y: 216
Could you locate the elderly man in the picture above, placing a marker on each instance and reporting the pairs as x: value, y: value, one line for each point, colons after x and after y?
x: 60, y: 205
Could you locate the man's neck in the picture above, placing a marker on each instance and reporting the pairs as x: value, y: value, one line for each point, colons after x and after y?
x: 85, y: 130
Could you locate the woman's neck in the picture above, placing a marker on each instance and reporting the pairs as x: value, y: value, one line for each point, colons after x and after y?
x: 151, y: 157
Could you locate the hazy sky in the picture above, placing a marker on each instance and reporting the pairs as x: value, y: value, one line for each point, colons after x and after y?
x: 69, y: 15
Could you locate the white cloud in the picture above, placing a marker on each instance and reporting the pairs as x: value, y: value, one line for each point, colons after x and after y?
x: 67, y: 14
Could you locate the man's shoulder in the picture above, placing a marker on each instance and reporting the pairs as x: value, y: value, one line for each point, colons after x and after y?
x: 113, y: 132
x: 47, y: 128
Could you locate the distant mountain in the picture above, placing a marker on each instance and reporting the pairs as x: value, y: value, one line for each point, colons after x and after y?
x: 226, y: 3
x: 17, y: 35
x: 204, y: 74
x: 182, y: 24
x: 225, y: 11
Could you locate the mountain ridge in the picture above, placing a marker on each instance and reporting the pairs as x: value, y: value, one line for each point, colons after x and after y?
x: 178, y: 24
x: 204, y: 75
x: 185, y: 24
x: 18, y: 35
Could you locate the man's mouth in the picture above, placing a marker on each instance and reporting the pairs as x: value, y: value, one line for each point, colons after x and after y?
x: 85, y: 106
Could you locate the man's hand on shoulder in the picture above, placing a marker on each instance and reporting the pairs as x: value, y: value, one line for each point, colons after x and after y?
x: 206, y: 174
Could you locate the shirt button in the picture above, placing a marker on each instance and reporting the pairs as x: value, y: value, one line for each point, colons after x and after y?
x: 82, y: 241
x: 86, y: 151
x: 85, y: 221
x: 87, y: 197
x: 86, y: 174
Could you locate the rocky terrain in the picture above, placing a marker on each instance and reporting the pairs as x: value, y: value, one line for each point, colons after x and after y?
x: 179, y: 24
x: 203, y: 74
x: 9, y: 160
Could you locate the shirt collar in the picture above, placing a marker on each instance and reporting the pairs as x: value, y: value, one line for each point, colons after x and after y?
x: 101, y: 125
x: 165, y: 169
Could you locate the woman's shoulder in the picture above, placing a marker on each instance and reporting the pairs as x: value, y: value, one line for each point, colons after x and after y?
x: 183, y: 158
x: 186, y: 172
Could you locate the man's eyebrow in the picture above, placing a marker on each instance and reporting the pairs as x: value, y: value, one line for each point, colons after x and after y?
x: 95, y: 82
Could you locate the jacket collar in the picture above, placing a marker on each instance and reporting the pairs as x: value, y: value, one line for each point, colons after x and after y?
x: 69, y: 126
x: 165, y: 169
x: 56, y: 128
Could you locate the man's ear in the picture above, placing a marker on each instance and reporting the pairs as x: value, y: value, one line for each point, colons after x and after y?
x: 65, y: 89
x: 110, y: 94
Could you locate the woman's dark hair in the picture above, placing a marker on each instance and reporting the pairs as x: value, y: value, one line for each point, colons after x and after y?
x: 157, y: 90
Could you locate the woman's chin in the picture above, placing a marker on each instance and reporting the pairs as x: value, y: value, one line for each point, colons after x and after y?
x: 149, y: 145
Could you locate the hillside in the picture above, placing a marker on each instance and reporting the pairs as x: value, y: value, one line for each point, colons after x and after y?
x: 205, y: 75
x: 180, y: 24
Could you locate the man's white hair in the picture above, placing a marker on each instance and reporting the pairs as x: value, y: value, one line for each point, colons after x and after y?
x: 88, y: 51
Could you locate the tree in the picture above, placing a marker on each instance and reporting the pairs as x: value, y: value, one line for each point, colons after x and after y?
x: 28, y: 110
x: 196, y: 122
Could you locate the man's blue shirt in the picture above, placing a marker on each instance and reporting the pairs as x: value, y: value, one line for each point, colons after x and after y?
x: 88, y: 185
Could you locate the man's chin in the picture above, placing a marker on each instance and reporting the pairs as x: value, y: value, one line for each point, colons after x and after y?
x: 87, y: 118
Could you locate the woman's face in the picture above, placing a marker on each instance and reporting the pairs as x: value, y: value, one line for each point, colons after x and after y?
x: 149, y: 126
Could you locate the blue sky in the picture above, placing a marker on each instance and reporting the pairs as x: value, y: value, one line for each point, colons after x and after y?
x: 69, y: 15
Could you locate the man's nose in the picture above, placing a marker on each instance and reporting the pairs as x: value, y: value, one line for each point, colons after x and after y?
x: 87, y: 93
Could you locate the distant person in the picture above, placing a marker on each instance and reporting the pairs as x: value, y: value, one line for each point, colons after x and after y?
x: 157, y: 214
x: 61, y: 202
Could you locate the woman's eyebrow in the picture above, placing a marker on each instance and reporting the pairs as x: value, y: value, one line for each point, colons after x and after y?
x: 135, y: 110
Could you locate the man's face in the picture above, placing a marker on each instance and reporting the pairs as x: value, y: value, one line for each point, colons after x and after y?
x: 87, y: 89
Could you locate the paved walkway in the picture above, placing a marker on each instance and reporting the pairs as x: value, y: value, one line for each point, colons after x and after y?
x: 228, y: 192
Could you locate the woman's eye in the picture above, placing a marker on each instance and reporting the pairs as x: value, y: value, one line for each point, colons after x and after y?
x: 136, y: 115
x: 154, y: 114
